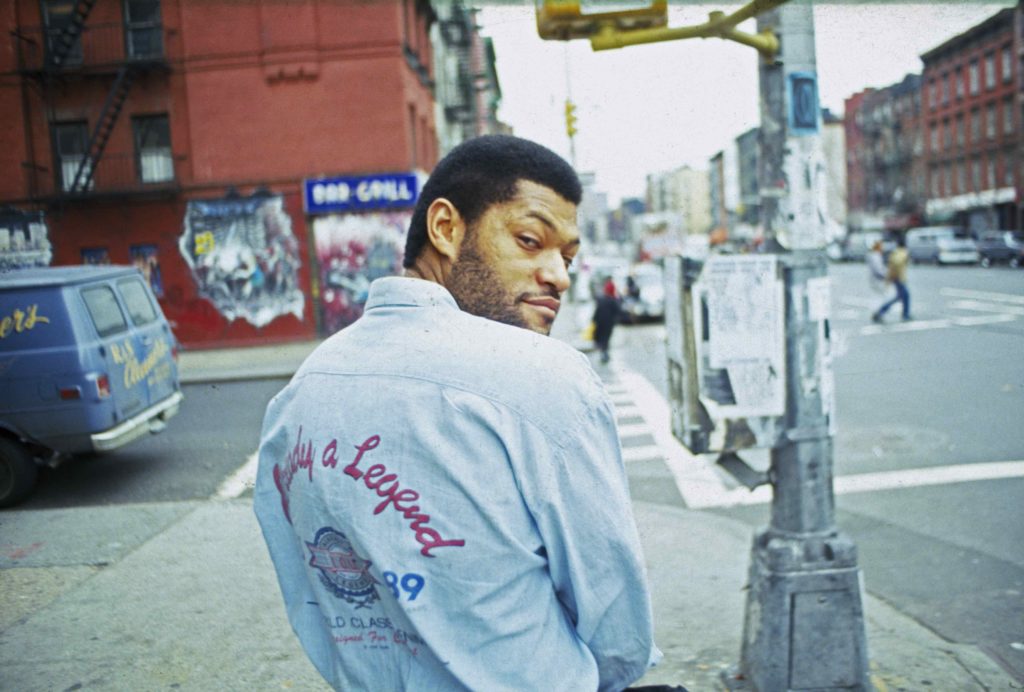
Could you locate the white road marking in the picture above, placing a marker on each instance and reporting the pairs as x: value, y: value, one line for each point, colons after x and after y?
x: 982, y: 295
x: 634, y: 429
x: 702, y: 484
x: 986, y: 307
x: 241, y: 480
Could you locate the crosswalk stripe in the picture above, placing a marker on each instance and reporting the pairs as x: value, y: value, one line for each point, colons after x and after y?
x: 982, y: 295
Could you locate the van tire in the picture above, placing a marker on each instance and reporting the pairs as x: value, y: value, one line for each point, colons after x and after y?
x: 18, y: 473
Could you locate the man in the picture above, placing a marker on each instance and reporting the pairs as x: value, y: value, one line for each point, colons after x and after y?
x: 606, y: 316
x: 441, y: 486
x: 899, y: 258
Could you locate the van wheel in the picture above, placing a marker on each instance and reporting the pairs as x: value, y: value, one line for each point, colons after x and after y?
x: 18, y: 473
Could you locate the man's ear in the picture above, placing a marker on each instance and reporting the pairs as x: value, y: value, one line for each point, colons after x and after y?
x: 445, y: 228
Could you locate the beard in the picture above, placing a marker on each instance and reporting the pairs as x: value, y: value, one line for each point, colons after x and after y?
x: 477, y: 290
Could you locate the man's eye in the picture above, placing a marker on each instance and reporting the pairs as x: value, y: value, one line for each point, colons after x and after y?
x: 529, y: 242
x: 568, y: 261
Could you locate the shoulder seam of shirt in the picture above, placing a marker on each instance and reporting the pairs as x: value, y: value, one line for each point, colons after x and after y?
x: 556, y: 439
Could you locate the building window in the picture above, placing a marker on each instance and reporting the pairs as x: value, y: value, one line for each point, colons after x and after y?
x: 958, y: 76
x: 990, y: 172
x: 933, y: 95
x: 935, y: 137
x: 1008, y: 171
x: 961, y: 179
x: 976, y: 175
x: 142, y: 28
x: 945, y: 89
x: 947, y: 134
x: 1008, y: 116
x: 959, y: 130
x: 153, y: 148
x: 71, y: 143
x: 973, y: 77
x: 58, y: 15
x: 949, y: 179
x: 975, y: 126
x: 1007, y: 64
x: 990, y: 122
x: 936, y: 191
x: 990, y: 71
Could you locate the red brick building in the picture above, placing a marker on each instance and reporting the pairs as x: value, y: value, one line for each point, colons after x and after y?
x: 884, y: 168
x: 972, y: 108
x: 257, y: 159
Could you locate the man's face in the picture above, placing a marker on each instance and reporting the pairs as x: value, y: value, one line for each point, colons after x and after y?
x: 513, y: 265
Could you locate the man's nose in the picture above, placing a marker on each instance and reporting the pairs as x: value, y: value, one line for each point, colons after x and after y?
x: 553, y: 272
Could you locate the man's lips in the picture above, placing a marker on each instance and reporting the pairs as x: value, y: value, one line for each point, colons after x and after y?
x: 544, y: 305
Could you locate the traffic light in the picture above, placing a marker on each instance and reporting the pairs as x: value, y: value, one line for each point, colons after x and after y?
x: 570, y: 118
x: 562, y: 20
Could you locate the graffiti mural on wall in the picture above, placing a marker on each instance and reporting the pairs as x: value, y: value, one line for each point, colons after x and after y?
x: 244, y: 257
x: 353, y: 250
x: 24, y: 240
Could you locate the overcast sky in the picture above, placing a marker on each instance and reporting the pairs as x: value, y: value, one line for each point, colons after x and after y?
x: 654, y: 107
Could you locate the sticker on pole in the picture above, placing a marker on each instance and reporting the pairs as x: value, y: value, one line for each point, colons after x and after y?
x: 802, y: 97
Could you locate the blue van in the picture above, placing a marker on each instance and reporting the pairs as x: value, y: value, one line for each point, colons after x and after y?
x: 88, y: 363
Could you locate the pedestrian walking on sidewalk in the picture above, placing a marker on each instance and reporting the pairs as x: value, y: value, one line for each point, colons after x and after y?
x: 440, y: 485
x: 606, y: 316
x: 896, y: 274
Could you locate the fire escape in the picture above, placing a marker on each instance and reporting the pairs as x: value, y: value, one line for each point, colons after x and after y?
x: 69, y: 51
x: 460, y: 105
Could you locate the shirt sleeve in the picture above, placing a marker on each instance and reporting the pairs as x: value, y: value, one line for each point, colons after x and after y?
x: 576, y: 489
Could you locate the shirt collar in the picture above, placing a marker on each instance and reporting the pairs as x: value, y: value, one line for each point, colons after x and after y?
x: 404, y: 290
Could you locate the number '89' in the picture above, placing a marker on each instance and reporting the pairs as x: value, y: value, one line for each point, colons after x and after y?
x: 411, y: 584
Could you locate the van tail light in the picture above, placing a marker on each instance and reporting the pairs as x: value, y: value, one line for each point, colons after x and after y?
x: 70, y: 393
x: 103, y: 386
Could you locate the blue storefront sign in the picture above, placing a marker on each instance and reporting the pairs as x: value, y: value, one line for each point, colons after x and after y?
x: 340, y: 194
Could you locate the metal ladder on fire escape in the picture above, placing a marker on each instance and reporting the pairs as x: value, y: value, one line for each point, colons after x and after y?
x: 104, y: 126
x: 65, y: 41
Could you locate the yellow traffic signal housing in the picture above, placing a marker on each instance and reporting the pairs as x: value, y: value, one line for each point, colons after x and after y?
x: 562, y: 20
x: 570, y: 118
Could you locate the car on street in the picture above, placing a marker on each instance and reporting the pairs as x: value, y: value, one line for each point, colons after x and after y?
x: 646, y: 301
x: 88, y: 363
x: 1001, y: 247
x: 941, y: 245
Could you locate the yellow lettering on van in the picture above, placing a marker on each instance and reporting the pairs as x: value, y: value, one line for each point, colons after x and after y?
x: 135, y: 372
x: 22, y: 320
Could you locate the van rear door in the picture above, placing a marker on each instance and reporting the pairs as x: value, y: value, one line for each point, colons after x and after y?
x: 153, y: 370
x: 117, y: 344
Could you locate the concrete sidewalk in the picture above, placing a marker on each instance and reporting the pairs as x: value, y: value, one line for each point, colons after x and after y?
x: 183, y: 595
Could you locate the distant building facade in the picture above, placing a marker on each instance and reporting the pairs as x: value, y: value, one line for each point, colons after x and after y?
x: 885, y: 169
x: 972, y: 91
x: 685, y: 191
x: 748, y: 150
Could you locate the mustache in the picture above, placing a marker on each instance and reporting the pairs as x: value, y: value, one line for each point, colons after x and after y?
x: 551, y: 293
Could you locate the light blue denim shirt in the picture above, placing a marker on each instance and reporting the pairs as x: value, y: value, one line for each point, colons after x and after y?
x: 445, y: 502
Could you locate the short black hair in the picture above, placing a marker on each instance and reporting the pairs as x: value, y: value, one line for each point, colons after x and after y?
x: 484, y: 171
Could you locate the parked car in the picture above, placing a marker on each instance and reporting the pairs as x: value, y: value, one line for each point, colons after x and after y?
x: 957, y: 251
x: 998, y: 247
x: 941, y: 245
x: 88, y: 363
x: 858, y: 243
x: 647, y: 301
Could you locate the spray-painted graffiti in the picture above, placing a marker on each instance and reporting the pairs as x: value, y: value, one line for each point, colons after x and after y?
x: 24, y: 241
x: 352, y: 251
x: 244, y: 257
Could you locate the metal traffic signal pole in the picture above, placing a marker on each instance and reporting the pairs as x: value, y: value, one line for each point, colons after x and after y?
x: 804, y: 623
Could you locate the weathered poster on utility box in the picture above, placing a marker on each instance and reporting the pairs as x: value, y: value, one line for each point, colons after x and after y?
x: 742, y: 349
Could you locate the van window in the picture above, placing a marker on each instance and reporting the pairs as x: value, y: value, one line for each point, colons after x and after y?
x: 103, y: 308
x: 140, y: 309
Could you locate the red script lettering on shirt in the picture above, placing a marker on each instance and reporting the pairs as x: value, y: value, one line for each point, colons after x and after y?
x: 375, y: 478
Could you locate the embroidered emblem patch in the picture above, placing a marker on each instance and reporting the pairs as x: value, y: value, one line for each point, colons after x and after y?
x: 342, y: 571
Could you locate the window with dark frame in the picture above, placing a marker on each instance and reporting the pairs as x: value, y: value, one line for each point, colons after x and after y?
x: 57, y: 14
x: 71, y: 145
x: 143, y: 29
x: 153, y: 148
